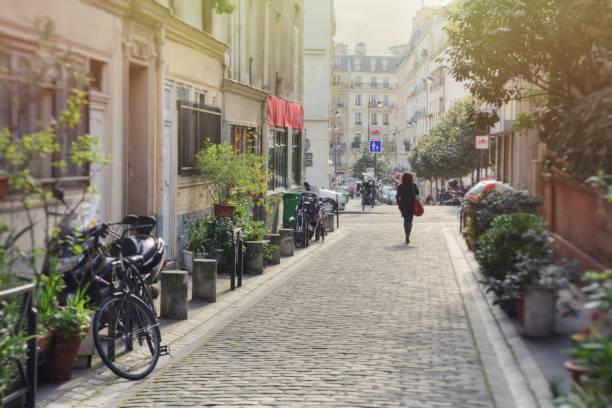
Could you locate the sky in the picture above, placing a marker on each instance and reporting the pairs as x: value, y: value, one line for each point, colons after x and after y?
x: 378, y: 23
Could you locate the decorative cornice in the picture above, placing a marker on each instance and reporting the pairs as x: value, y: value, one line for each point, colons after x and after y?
x: 183, y: 33
x: 240, y: 88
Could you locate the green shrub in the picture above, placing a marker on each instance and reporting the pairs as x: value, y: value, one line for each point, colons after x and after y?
x: 253, y: 231
x: 490, y: 204
x: 13, y: 345
x: 218, y: 234
x: 512, y: 239
x: 195, y: 235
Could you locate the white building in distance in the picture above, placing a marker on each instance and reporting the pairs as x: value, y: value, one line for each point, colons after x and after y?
x: 319, y: 29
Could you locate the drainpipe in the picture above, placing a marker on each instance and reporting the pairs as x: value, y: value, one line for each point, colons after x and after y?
x: 266, y: 50
x: 160, y: 174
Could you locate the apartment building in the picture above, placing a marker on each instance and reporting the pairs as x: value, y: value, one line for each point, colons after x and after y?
x: 319, y: 29
x: 166, y: 76
x: 364, y: 93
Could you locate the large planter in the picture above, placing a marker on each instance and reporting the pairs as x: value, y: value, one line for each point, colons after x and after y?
x: 188, y: 261
x: 254, y: 257
x: 223, y: 210
x: 580, y: 220
x: 539, y: 311
x: 62, y: 358
x: 44, y: 342
x: 86, y: 349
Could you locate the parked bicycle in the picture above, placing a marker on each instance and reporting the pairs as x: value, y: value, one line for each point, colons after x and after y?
x: 308, y: 221
x: 120, y: 281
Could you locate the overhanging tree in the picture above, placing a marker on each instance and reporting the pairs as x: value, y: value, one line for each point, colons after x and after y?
x: 557, y: 53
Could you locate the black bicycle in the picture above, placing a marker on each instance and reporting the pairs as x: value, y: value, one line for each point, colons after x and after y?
x: 308, y: 221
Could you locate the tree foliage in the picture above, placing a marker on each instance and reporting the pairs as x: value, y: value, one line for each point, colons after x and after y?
x: 555, y: 53
x: 448, y: 150
x: 365, y: 160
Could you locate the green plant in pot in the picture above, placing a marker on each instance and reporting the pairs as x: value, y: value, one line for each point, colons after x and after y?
x: 70, y: 324
x: 195, y: 241
x: 219, y: 240
x: 511, y: 239
x: 253, y: 234
x: 231, y: 177
x: 13, y: 345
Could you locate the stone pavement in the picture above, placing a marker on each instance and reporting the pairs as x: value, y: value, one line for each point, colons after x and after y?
x: 366, y: 321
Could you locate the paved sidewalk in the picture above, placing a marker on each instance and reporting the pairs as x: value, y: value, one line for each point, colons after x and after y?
x: 366, y: 321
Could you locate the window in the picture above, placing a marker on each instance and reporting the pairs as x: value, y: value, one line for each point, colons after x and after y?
x: 27, y: 107
x: 201, y: 97
x: 386, y: 83
x: 374, y: 118
x: 385, y: 64
x: 357, y: 100
x: 338, y: 159
x: 358, y: 118
x: 386, y: 100
x: 356, y: 141
x: 357, y: 82
x: 357, y: 64
x: 277, y: 158
x: 196, y: 124
x: 296, y: 164
x: 373, y: 64
x: 374, y: 82
x: 385, y: 119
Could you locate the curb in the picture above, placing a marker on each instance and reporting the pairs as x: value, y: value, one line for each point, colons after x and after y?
x: 101, y: 388
x: 514, y: 377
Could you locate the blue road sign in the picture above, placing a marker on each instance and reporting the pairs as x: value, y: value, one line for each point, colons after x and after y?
x: 375, y: 146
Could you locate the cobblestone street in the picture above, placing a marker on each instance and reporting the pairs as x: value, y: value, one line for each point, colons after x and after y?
x: 367, y: 322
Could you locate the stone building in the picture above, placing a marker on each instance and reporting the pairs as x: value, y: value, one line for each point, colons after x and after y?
x: 167, y: 75
x: 319, y: 29
x: 364, y: 90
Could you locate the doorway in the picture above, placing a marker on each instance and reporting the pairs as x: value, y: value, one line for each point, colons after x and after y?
x: 138, y: 178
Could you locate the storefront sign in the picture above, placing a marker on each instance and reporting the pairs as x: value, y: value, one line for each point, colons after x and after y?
x: 482, y: 142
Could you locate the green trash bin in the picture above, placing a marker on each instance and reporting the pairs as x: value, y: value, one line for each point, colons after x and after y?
x: 290, y: 201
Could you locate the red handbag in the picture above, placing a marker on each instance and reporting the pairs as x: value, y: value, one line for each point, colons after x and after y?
x: 418, y: 208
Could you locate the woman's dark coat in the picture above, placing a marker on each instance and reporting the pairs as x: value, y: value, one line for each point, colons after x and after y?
x: 405, y: 199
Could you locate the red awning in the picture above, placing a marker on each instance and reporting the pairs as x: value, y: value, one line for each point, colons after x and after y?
x: 283, y: 113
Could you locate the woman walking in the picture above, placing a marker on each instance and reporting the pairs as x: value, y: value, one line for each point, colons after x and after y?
x: 406, y: 194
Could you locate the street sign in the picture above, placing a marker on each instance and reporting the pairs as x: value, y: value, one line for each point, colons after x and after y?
x: 482, y: 142
x: 375, y: 146
x: 375, y: 133
x: 307, y: 159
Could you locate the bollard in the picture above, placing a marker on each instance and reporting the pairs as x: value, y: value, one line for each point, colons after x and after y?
x: 254, y: 257
x: 274, y: 241
x: 204, y: 280
x: 286, y: 242
x: 329, y: 223
x: 174, y: 286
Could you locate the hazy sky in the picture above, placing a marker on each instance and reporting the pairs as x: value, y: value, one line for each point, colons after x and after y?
x: 378, y: 23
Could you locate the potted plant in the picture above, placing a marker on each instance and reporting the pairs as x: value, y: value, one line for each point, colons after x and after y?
x: 13, y: 346
x: 70, y: 324
x: 231, y: 177
x: 195, y: 242
x: 255, y: 247
x: 219, y: 240
x: 511, y: 239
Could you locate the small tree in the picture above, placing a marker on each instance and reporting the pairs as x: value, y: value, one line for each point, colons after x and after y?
x: 380, y: 162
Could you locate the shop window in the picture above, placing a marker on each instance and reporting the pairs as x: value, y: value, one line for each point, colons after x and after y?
x: 196, y: 125
x: 296, y: 163
x: 277, y: 158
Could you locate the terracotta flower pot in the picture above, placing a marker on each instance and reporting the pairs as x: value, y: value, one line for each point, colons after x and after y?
x: 3, y: 187
x: 62, y: 358
x: 223, y: 210
x: 576, y: 370
x: 44, y: 341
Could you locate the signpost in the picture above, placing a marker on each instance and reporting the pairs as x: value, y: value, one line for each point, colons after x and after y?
x: 375, y: 133
x: 375, y: 146
x: 482, y: 142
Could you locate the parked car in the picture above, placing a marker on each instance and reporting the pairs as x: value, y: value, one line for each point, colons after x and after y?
x: 329, y: 200
x: 485, y: 185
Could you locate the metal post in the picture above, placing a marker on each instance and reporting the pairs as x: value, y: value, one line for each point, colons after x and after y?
x: 337, y: 211
x: 240, y: 260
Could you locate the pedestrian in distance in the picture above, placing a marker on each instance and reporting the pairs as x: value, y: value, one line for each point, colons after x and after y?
x: 351, y: 192
x: 406, y: 195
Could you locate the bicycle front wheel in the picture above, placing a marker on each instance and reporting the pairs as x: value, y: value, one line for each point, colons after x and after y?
x: 127, y: 336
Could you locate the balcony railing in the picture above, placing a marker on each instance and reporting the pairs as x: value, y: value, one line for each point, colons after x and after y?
x: 337, y: 145
x: 366, y: 85
x: 383, y: 106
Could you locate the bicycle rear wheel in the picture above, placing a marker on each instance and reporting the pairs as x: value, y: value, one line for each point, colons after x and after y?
x: 298, y: 232
x: 127, y: 336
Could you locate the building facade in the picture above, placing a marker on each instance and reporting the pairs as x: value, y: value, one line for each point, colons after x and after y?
x: 166, y: 76
x: 364, y: 92
x: 319, y: 29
